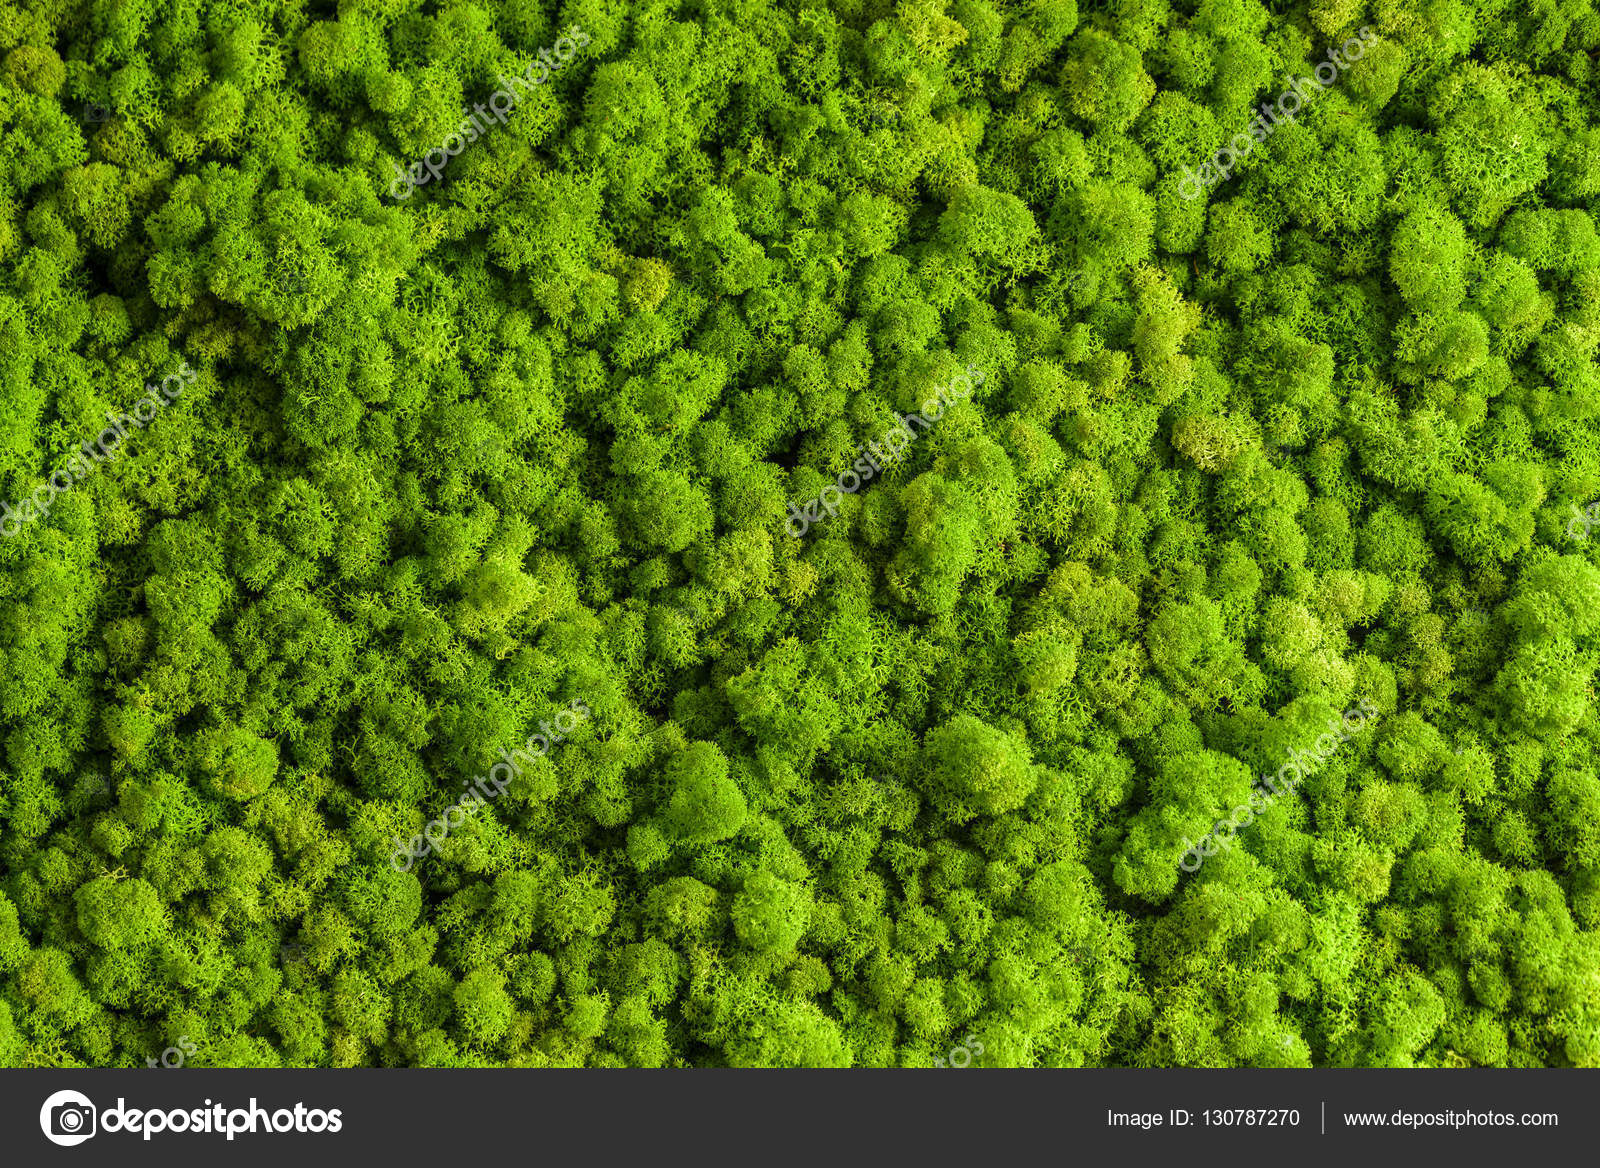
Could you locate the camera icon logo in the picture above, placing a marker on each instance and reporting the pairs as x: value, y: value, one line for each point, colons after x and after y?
x: 67, y: 1118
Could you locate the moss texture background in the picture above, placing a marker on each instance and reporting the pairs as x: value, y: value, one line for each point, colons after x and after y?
x: 484, y: 487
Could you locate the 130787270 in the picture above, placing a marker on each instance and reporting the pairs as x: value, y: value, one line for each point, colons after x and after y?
x: 1252, y: 1117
